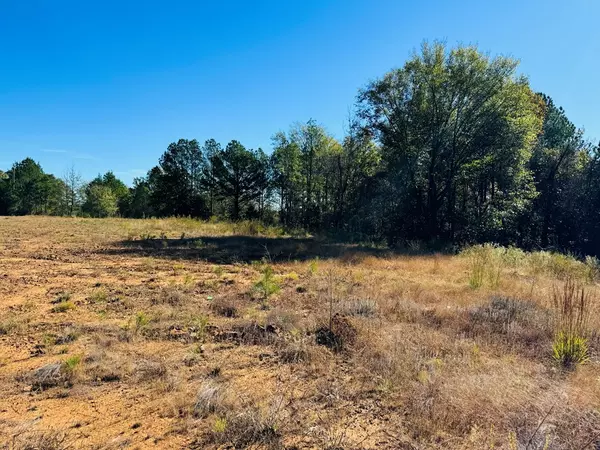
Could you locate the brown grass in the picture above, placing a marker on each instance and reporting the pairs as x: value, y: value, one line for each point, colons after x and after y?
x: 176, y: 353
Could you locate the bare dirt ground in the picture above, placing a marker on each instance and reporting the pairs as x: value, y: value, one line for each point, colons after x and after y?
x: 158, y: 334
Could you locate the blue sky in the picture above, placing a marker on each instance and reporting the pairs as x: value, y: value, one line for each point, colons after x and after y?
x: 108, y: 85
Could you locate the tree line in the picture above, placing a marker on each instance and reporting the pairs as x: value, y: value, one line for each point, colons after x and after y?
x: 454, y: 147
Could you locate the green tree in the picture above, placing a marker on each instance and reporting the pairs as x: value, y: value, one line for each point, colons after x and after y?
x: 101, y: 201
x: 73, y: 192
x: 140, y: 202
x: 28, y: 190
x: 178, y: 180
x: 212, y: 152
x: 287, y: 179
x: 456, y: 129
x: 100, y: 193
x: 238, y: 177
x: 556, y: 163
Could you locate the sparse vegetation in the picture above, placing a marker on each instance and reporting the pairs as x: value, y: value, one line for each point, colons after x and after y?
x: 370, y: 337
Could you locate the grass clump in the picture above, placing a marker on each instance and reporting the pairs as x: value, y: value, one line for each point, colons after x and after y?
x: 251, y: 428
x: 42, y: 440
x: 54, y: 374
x: 139, y: 322
x: 209, y: 400
x: 99, y: 296
x: 358, y: 307
x: 485, y: 264
x: 572, y: 309
x: 63, y: 307
x: 71, y: 363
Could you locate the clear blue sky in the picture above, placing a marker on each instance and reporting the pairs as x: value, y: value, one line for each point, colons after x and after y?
x: 108, y: 85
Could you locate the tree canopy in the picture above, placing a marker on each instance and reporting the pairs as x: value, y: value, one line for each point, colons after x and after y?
x: 453, y: 147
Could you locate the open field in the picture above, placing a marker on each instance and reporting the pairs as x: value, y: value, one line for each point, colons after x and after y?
x: 172, y: 334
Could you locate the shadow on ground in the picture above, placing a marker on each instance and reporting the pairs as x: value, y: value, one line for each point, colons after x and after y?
x: 231, y: 249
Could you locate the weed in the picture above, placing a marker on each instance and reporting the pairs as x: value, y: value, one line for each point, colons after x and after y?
x: 150, y: 369
x: 338, y: 335
x: 99, y: 296
x: 592, y: 265
x: 62, y: 297
x: 485, y: 263
x: 249, y: 429
x: 53, y: 374
x: 139, y: 322
x: 188, y: 279
x: 198, y: 325
x: 218, y: 271
x: 570, y: 350
x: 71, y: 363
x: 294, y: 351
x: 170, y: 295
x: 220, y: 425
x: 7, y: 327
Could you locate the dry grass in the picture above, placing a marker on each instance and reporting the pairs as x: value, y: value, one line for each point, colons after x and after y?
x: 166, y: 342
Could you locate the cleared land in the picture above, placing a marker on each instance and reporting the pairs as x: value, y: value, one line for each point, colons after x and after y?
x: 165, y: 334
